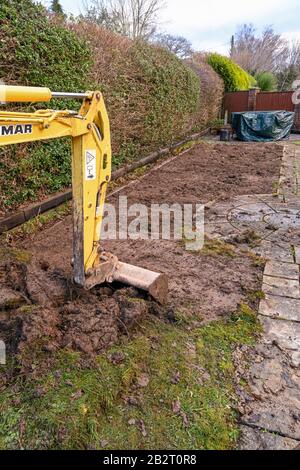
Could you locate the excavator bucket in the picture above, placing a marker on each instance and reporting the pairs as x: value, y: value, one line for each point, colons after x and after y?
x: 110, y: 269
x: 154, y: 283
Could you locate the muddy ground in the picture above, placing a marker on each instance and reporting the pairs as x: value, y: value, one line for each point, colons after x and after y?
x: 212, y: 172
x: 39, y: 303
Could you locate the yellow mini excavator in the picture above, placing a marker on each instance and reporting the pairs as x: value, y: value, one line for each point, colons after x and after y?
x: 91, y: 172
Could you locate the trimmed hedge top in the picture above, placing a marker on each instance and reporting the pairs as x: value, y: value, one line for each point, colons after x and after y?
x: 234, y: 77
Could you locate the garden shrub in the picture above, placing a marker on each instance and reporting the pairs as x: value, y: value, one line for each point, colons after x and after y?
x: 266, y: 81
x: 234, y: 77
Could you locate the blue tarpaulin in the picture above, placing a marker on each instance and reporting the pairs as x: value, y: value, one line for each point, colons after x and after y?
x: 262, y: 126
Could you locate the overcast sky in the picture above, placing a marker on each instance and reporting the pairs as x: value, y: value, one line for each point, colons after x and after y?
x: 209, y: 24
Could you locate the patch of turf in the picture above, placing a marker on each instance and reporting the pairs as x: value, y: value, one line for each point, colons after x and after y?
x: 257, y: 261
x: 215, y: 247
x: 188, y: 402
x: 211, y: 247
x: 16, y: 254
x: 256, y: 295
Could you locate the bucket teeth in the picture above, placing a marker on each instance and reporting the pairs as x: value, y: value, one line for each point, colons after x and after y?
x: 103, y: 272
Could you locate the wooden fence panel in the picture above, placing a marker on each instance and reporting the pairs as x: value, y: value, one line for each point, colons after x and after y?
x: 236, y: 102
x: 274, y: 101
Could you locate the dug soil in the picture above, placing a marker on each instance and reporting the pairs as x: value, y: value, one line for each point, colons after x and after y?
x: 40, y: 304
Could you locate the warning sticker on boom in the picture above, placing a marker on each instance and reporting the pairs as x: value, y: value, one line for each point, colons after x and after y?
x: 90, y: 164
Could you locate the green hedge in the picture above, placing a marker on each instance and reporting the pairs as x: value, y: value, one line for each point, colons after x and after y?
x: 151, y: 95
x: 174, y: 92
x: 234, y: 77
x: 35, y: 51
x: 162, y: 95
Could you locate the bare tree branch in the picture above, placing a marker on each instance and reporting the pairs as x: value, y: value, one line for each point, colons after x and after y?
x: 259, y: 54
x: 176, y: 44
x: 132, y: 18
x: 290, y: 68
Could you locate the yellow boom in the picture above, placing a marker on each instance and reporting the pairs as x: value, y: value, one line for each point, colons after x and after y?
x: 91, y: 172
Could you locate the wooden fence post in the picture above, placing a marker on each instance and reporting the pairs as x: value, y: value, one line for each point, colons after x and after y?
x: 252, y: 94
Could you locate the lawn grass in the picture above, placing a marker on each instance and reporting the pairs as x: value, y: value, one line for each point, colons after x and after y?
x: 188, y: 403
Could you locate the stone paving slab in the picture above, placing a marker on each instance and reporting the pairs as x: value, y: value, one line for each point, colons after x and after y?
x: 275, y: 417
x: 289, y: 179
x: 269, y: 220
x: 280, y: 286
x: 219, y: 230
x: 255, y: 232
x: 283, y: 219
x: 256, y: 439
x: 286, y: 334
x: 285, y: 207
x: 255, y: 209
x: 248, y: 198
x: 274, y: 392
x: 280, y: 307
x: 295, y: 358
x: 272, y: 251
x: 281, y: 269
x: 270, y: 199
x: 288, y: 236
x: 293, y: 200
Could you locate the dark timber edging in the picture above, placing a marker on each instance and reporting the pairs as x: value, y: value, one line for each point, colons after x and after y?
x: 23, y: 215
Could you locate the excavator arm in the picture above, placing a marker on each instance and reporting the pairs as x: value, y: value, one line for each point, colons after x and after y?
x: 91, y: 172
x: 91, y: 162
